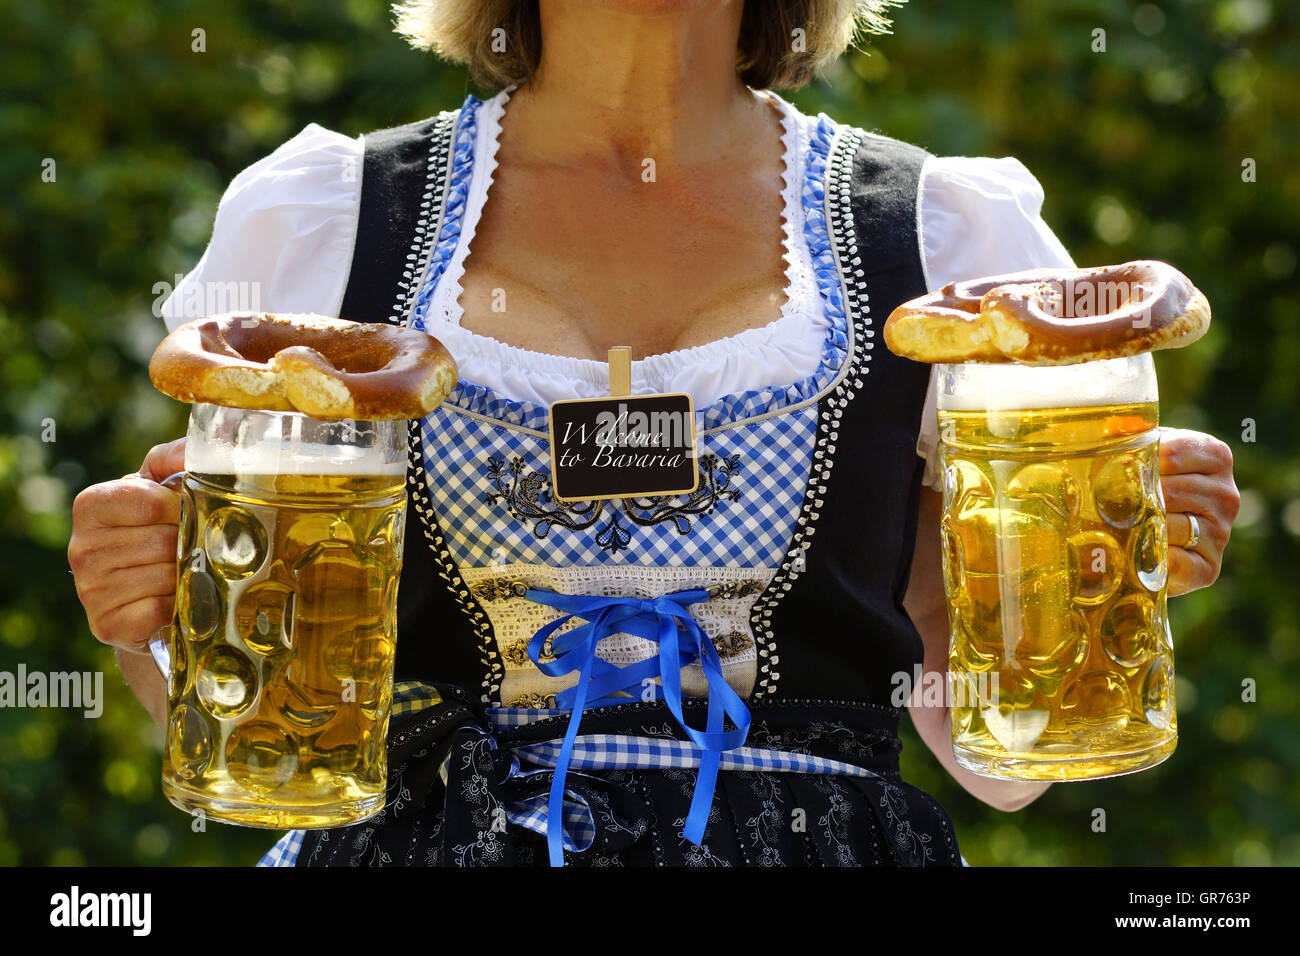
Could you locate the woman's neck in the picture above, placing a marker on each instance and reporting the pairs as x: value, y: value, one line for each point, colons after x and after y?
x: 615, y: 88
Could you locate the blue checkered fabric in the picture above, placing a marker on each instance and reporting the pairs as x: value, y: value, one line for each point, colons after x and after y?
x: 477, y: 469
x: 579, y: 822
x: 286, y: 850
x: 412, y: 696
x: 615, y: 752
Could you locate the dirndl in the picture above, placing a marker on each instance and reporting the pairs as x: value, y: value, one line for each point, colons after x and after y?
x: 468, y: 786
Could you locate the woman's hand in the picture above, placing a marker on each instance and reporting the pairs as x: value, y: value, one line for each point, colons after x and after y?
x: 1196, y: 478
x: 123, y: 559
x: 123, y: 551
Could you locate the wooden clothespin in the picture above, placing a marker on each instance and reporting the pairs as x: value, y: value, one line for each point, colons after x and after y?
x: 620, y: 370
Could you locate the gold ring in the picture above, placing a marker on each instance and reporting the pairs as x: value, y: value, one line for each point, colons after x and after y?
x: 1195, y: 535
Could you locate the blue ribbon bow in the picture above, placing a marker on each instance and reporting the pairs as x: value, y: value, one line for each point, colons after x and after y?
x: 665, y: 621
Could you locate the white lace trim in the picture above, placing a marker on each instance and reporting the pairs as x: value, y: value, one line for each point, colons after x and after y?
x: 787, y: 349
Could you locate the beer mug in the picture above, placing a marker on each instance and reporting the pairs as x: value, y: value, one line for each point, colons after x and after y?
x: 1055, y: 563
x: 282, y: 646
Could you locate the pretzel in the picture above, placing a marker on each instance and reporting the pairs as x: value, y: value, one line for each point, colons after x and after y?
x: 324, y: 368
x: 1052, y: 316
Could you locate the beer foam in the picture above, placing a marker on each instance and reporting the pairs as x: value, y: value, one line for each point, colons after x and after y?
x: 235, y: 441
x: 1007, y: 386
x: 220, y: 458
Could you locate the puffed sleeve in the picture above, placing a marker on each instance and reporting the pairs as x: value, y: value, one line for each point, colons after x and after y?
x: 978, y: 216
x: 283, y: 236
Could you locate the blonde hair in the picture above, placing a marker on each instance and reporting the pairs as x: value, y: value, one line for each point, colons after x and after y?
x: 770, y: 54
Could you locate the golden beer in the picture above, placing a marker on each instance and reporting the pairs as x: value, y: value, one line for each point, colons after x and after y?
x: 1055, y: 569
x: 283, y: 644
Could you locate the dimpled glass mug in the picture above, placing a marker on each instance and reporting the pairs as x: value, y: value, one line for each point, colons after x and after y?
x: 281, y: 650
x: 1055, y: 563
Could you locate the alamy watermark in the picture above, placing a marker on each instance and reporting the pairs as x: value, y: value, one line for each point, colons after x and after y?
x: 935, y: 689
x: 668, y: 429
x: 77, y: 909
x: 78, y: 690
x: 638, y: 429
x: 1087, y: 298
x: 199, y: 299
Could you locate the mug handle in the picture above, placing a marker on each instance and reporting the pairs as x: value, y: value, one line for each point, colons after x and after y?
x: 159, y: 647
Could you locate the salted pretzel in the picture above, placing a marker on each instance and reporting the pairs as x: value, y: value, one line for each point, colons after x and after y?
x: 324, y: 368
x: 1052, y: 316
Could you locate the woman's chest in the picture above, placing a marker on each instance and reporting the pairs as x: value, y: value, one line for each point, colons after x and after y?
x: 657, y: 266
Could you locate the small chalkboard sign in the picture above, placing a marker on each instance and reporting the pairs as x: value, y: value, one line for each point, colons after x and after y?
x: 623, y: 446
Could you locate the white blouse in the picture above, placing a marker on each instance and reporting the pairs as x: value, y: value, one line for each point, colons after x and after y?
x: 286, y: 226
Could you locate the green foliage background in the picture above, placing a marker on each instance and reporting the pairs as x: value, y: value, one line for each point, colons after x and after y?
x: 1140, y: 150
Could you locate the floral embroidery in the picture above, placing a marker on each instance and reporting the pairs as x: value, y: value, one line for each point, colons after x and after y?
x: 696, y: 855
x: 485, y: 810
x: 606, y: 816
x: 403, y: 794
x: 527, y: 496
x: 685, y: 780
x: 835, y: 821
x: 765, y: 825
x: 486, y: 849
x: 664, y: 730
x: 912, y: 846
x: 801, y: 740
x: 433, y: 855
x: 362, y: 843
x: 526, y: 493
x: 715, y: 485
x: 614, y: 537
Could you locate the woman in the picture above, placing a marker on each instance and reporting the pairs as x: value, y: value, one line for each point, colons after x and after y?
x: 634, y: 182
